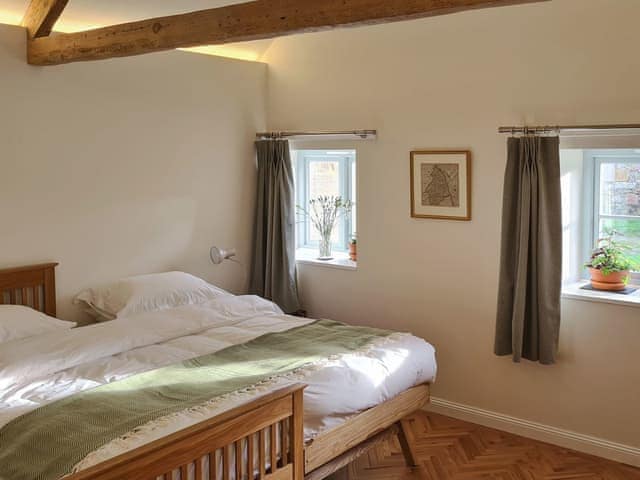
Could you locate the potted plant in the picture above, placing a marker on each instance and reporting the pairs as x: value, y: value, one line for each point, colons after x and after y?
x: 353, y: 249
x: 609, y: 264
x: 324, y: 212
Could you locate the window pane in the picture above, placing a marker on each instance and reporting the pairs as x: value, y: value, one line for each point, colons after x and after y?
x: 628, y: 232
x: 324, y: 179
x: 620, y: 189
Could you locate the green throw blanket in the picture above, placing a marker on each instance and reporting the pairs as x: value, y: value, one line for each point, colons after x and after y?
x: 47, y: 443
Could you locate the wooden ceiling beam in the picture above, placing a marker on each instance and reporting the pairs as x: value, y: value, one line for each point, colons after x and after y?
x: 236, y: 23
x: 42, y: 15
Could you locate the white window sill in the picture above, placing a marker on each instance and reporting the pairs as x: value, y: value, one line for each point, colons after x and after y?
x: 574, y: 292
x: 308, y: 256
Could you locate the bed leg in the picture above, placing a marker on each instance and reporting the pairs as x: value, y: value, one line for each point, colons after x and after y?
x: 405, y: 436
x: 297, y: 435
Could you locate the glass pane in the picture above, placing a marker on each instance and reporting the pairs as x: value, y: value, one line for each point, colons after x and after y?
x: 324, y: 179
x: 628, y: 232
x: 620, y: 189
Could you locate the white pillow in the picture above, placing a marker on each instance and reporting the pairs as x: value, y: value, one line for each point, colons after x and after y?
x: 18, y: 322
x: 147, y: 293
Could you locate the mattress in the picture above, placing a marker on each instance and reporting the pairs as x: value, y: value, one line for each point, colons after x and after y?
x: 39, y: 370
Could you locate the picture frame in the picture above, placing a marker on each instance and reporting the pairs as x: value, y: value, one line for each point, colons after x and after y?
x: 441, y: 184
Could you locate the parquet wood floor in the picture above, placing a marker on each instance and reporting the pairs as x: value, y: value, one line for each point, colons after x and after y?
x: 450, y: 449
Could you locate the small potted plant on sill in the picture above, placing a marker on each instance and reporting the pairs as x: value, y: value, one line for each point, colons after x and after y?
x: 353, y: 249
x: 609, y: 264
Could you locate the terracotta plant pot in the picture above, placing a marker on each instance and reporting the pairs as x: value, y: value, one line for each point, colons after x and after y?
x: 353, y: 251
x: 613, y: 282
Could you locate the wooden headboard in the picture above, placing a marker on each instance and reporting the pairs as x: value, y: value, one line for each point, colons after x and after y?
x: 33, y: 286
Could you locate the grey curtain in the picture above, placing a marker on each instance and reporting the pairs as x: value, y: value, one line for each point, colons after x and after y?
x: 273, y: 271
x: 528, y: 318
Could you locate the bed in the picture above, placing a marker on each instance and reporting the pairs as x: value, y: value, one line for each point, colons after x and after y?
x: 265, y: 433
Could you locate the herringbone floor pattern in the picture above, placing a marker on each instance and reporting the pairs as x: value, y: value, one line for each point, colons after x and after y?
x: 450, y: 449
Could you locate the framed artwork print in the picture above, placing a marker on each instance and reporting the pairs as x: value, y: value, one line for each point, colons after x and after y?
x: 441, y: 184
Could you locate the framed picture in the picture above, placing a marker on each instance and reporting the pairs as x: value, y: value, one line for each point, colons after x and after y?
x: 441, y: 184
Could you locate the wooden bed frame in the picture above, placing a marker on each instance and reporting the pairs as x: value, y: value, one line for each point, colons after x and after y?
x: 246, y: 428
x: 33, y: 286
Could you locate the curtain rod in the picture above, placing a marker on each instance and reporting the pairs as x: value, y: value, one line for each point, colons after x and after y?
x: 567, y: 128
x: 362, y: 134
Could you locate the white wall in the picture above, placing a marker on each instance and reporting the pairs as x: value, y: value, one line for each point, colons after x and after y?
x: 127, y: 166
x: 449, y: 82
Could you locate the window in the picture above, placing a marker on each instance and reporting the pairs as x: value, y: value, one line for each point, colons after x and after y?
x: 325, y: 172
x: 617, y: 199
x: 610, y: 201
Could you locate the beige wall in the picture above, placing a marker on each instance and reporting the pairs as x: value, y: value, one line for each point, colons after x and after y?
x: 449, y: 82
x: 127, y: 166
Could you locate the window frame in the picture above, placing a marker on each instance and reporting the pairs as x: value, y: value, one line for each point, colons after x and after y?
x: 346, y: 159
x: 593, y: 161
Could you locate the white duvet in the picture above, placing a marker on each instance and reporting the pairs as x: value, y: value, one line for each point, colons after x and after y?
x: 38, y: 370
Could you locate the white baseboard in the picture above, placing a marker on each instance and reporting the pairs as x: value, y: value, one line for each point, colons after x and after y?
x: 537, y: 431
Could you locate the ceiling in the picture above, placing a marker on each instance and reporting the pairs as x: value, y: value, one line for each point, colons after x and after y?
x: 85, y: 14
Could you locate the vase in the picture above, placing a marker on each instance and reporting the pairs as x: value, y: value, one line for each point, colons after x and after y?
x: 325, y: 248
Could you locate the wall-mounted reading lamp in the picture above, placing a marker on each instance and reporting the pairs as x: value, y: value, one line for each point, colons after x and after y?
x: 219, y: 255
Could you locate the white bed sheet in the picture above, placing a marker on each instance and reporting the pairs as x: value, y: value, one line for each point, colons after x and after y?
x: 38, y: 370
